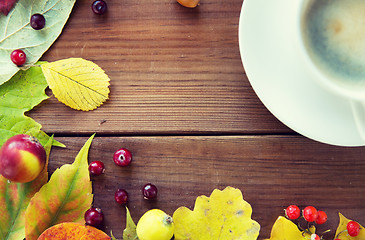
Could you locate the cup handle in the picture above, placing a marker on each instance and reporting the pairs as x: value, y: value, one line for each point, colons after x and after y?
x: 358, y: 111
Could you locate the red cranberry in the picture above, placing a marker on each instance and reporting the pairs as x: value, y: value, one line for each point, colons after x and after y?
x: 292, y: 212
x: 121, y: 196
x: 149, y: 191
x: 122, y: 157
x: 99, y: 7
x: 96, y: 168
x: 37, y: 21
x: 310, y: 213
x: 353, y: 228
x: 94, y: 217
x: 18, y: 57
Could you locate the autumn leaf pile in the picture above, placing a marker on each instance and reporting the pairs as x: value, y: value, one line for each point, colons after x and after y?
x: 54, y: 209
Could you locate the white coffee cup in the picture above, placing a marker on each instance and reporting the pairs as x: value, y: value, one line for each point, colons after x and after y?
x: 331, y: 37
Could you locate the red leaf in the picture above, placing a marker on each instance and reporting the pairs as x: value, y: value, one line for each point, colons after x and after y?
x: 6, y: 6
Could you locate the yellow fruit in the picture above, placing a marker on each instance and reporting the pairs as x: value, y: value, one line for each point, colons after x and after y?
x: 155, y: 224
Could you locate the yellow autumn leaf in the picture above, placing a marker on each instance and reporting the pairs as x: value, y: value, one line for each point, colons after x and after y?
x: 284, y: 229
x: 223, y: 215
x: 78, y: 83
x: 341, y: 231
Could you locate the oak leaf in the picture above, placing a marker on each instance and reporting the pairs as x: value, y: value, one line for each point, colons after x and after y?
x: 78, y: 83
x: 341, y: 231
x: 223, y: 215
x: 14, y: 200
x: 73, y: 231
x: 65, y: 198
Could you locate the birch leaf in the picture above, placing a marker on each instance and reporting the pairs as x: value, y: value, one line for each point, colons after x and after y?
x: 78, y: 83
x: 16, y: 32
x: 65, y: 198
x: 20, y: 94
x: 223, y: 215
x: 14, y: 199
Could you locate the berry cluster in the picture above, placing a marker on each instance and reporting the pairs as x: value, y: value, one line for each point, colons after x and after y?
x: 313, y: 216
x: 123, y: 158
x: 310, y: 214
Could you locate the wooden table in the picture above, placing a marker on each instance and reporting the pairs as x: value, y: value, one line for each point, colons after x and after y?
x: 181, y: 103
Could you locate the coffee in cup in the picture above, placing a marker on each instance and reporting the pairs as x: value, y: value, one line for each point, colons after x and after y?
x: 333, y: 34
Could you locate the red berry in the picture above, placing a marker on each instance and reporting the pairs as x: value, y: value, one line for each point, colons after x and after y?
x: 96, y: 168
x: 310, y: 214
x: 94, y: 217
x: 37, y: 21
x: 122, y: 157
x: 292, y: 212
x: 99, y: 7
x: 149, y: 191
x: 18, y: 57
x: 121, y: 196
x: 322, y: 217
x: 353, y: 228
x: 315, y: 237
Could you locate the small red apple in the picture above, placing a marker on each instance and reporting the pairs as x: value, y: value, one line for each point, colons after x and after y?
x: 22, y: 158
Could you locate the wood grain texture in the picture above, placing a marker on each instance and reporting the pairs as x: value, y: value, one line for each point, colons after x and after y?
x: 272, y: 172
x: 173, y: 70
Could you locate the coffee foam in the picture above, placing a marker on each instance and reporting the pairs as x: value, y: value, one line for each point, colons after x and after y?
x: 334, y: 32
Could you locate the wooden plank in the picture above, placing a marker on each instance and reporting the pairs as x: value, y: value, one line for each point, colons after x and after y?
x: 271, y: 171
x: 172, y: 69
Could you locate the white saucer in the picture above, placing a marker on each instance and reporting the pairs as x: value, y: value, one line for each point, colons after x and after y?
x: 279, y: 79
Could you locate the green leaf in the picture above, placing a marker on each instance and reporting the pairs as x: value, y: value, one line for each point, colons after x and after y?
x: 16, y: 33
x: 111, y: 234
x: 20, y: 94
x: 129, y: 232
x: 14, y: 200
x: 65, y: 198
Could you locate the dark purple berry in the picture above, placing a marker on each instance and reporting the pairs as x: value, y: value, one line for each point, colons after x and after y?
x: 96, y: 168
x: 37, y: 21
x: 94, y: 217
x: 18, y: 57
x: 99, y: 7
x: 122, y: 157
x: 149, y: 191
x: 121, y: 196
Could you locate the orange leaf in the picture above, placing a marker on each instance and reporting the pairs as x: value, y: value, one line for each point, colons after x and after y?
x: 65, y: 198
x: 72, y: 231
